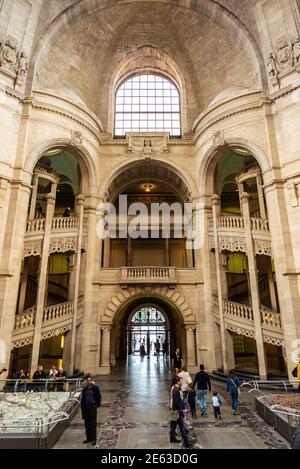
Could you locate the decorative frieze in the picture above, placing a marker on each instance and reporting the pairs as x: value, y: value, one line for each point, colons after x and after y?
x: 262, y: 248
x: 232, y: 244
x: 148, y: 145
x: 33, y: 248
x: 63, y: 245
x: 12, y: 59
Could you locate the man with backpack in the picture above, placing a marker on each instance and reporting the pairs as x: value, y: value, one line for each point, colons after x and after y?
x: 233, y: 384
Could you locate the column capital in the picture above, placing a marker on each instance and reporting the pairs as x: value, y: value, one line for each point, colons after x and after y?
x: 245, y: 196
x: 50, y: 199
x: 216, y: 199
x: 190, y: 327
x: 106, y: 328
x: 80, y: 199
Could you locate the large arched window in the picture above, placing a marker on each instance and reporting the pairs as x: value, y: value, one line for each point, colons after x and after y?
x: 147, y: 103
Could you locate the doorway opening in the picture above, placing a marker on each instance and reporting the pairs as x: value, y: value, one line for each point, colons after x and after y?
x: 148, y: 332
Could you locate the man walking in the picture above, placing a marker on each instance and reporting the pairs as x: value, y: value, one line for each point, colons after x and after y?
x: 90, y: 401
x: 177, y: 416
x: 202, y: 380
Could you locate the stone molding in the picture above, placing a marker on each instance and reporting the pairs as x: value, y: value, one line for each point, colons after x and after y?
x: 172, y: 295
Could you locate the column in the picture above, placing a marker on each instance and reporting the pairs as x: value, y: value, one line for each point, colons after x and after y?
x: 167, y: 252
x: 23, y: 287
x: 254, y: 288
x: 272, y: 287
x: 106, y: 254
x: 79, y: 209
x: 105, y: 350
x: 261, y: 200
x: 33, y: 197
x: 216, y: 210
x: 129, y: 251
x: 190, y: 345
x: 40, y: 302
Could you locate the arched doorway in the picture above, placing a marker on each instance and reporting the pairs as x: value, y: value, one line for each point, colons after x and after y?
x: 148, y: 331
x: 144, y: 321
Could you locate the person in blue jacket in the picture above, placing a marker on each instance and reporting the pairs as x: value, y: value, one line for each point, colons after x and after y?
x: 233, y: 384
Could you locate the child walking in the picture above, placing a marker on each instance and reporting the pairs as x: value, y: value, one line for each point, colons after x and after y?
x: 216, y: 403
x: 192, y: 401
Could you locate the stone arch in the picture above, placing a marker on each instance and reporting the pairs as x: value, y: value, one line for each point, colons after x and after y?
x: 189, y: 183
x: 87, y: 165
x: 124, y: 297
x: 210, y: 8
x: 210, y: 159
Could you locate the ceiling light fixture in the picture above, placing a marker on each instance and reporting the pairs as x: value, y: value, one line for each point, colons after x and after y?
x: 148, y: 187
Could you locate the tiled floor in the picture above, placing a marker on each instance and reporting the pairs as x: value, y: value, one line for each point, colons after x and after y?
x: 135, y: 415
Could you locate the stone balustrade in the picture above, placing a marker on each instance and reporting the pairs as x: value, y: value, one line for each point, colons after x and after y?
x: 65, y: 223
x: 25, y: 320
x: 148, y: 274
x: 238, y: 310
x: 58, y: 224
x: 36, y: 226
x: 231, y: 222
x: 58, y: 311
x: 269, y: 318
x: 260, y: 224
x: 239, y: 319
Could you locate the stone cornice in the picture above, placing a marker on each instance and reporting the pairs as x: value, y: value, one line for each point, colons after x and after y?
x: 68, y: 114
x: 210, y: 118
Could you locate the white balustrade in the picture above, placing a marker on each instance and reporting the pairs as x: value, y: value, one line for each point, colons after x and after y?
x: 58, y: 311
x: 26, y: 319
x: 231, y: 222
x: 269, y: 318
x: 238, y: 310
x: 147, y: 272
x: 260, y: 224
x: 65, y: 223
x: 36, y: 225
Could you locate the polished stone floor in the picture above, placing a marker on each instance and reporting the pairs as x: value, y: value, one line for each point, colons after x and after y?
x: 134, y: 415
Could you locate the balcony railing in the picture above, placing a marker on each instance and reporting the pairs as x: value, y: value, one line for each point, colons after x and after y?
x: 231, y: 222
x: 151, y: 274
x: 58, y: 224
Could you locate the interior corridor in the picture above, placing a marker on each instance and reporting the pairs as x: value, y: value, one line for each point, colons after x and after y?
x: 134, y: 414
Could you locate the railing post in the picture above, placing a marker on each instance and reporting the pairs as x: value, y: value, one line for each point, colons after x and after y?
x: 254, y: 288
x: 40, y: 302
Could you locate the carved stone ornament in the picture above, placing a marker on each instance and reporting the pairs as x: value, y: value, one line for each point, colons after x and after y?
x: 232, y: 244
x: 12, y: 58
x: 33, y: 248
x: 148, y: 145
x: 219, y: 139
x: 284, y: 59
x: 76, y: 138
x: 63, y: 245
x: 262, y: 248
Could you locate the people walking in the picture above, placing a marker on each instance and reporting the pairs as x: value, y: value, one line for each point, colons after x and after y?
x: 216, y: 403
x: 192, y: 401
x: 202, y: 380
x: 177, y: 360
x: 90, y: 401
x: 164, y: 350
x: 233, y: 384
x: 60, y: 379
x: 176, y: 407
